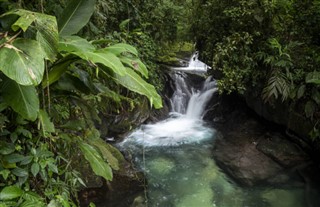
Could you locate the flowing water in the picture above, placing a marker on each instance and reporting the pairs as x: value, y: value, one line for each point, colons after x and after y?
x: 176, y: 156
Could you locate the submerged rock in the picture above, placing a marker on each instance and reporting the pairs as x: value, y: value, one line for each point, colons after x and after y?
x: 161, y: 166
x: 284, y: 198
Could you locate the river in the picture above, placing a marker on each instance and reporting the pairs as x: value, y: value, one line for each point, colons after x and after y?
x: 176, y: 156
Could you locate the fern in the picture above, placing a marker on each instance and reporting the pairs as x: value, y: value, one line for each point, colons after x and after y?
x: 278, y: 85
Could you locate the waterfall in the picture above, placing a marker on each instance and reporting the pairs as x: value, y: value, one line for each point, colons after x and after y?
x: 190, y: 101
x: 195, y: 65
x: 184, y: 124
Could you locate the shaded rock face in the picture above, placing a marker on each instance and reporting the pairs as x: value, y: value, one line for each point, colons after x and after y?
x: 281, y: 113
x: 253, y: 152
x: 122, y: 191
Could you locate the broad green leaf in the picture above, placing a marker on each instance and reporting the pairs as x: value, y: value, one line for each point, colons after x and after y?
x: 26, y: 18
x: 23, y: 61
x: 56, y: 72
x: 98, y: 165
x: 35, y: 168
x: 75, y: 16
x: 6, y: 148
x: 23, y: 22
x: 313, y: 77
x: 47, y: 35
x: 135, y: 83
x: 121, y: 48
x: 135, y: 64
x: 46, y: 125
x: 10, y: 192
x: 109, y: 60
x: 76, y: 45
x: 22, y: 99
x: 104, y: 149
x: 20, y: 172
x: 26, y: 160
x: 46, y: 29
x: 14, y: 158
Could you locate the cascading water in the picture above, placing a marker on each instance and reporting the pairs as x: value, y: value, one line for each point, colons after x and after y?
x: 176, y: 156
x: 195, y: 65
x: 184, y: 124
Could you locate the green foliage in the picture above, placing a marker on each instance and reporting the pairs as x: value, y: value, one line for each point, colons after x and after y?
x: 233, y: 58
x: 26, y: 62
x: 280, y: 77
x: 75, y: 16
x: 281, y: 60
x: 80, y: 80
x: 22, y: 99
x: 98, y: 165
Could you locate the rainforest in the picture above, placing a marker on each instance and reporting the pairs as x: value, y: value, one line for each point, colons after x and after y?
x: 159, y: 103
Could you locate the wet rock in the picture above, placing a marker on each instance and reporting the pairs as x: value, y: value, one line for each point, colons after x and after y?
x: 281, y: 150
x: 251, y: 151
x: 240, y: 159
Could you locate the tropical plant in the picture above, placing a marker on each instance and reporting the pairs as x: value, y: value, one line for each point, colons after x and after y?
x: 280, y: 81
x: 42, y: 56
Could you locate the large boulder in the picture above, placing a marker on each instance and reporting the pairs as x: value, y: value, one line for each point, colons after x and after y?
x: 251, y: 151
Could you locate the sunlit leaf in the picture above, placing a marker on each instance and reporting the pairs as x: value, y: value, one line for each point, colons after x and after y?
x: 10, y: 192
x: 46, y: 29
x: 121, y: 48
x: 23, y: 61
x: 135, y: 83
x: 135, y: 64
x: 107, y: 59
x: 76, y: 45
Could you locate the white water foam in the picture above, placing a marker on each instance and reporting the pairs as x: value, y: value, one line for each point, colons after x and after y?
x: 194, y: 65
x: 185, y: 123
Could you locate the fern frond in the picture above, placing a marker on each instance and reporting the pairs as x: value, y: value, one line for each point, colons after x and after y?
x: 277, y: 85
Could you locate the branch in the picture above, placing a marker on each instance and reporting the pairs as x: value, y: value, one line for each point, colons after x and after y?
x: 9, y: 41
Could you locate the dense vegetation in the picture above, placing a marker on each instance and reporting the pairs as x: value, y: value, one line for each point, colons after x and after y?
x: 68, y: 66
x: 264, y: 47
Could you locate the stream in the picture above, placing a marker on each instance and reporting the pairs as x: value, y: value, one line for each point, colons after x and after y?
x: 176, y: 156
